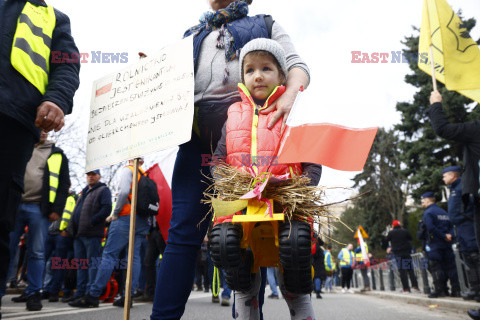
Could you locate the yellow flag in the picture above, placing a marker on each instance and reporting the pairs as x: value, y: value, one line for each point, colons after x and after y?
x: 456, y: 56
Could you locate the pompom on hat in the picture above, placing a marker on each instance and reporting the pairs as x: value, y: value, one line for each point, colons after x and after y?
x: 396, y: 223
x: 268, y: 45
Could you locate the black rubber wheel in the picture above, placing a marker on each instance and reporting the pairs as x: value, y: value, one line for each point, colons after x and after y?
x: 295, y: 247
x: 240, y: 278
x: 224, y: 242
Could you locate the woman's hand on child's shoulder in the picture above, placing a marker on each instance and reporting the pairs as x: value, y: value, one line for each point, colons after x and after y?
x: 282, y: 107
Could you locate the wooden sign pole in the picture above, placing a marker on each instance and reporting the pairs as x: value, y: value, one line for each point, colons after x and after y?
x: 131, y: 241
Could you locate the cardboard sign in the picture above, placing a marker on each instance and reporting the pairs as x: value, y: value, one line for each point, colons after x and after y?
x: 143, y: 108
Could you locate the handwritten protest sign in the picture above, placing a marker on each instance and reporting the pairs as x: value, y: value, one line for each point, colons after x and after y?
x: 143, y: 108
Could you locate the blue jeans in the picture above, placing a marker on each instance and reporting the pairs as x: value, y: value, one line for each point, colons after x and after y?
x: 227, y: 292
x: 117, y: 240
x: 29, y: 214
x: 318, y: 284
x: 63, y: 246
x: 272, y: 280
x: 185, y: 236
x: 328, y: 283
x: 86, y: 248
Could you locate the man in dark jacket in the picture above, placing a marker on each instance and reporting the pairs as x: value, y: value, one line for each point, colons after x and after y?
x: 88, y: 227
x: 439, y: 246
x: 29, y: 103
x: 469, y: 134
x: 401, y: 243
x: 47, y: 181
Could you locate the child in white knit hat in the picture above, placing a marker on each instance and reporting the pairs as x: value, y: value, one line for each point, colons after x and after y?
x: 248, y: 142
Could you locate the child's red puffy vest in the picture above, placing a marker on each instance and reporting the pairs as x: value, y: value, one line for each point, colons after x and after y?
x: 249, y: 141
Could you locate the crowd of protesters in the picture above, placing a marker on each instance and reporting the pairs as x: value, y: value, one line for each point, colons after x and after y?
x: 75, y: 244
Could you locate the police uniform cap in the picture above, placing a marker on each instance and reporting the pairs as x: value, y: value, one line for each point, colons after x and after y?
x: 451, y: 169
x: 428, y: 194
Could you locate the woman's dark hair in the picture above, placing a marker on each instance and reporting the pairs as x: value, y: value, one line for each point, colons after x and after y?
x: 249, y: 2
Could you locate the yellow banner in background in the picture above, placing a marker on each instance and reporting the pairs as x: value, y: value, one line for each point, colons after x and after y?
x: 455, y: 54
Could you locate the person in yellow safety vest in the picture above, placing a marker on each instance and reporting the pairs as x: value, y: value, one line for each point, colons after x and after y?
x: 346, y: 258
x: 35, y: 94
x: 68, y: 211
x: 330, y: 267
x: 360, y: 263
x: 62, y: 243
x: 47, y: 181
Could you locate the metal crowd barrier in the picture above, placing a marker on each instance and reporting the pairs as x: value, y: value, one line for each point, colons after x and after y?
x: 385, y: 275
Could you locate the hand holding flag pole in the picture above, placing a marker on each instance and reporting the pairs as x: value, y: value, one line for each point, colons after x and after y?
x: 332, y: 145
x: 446, y: 45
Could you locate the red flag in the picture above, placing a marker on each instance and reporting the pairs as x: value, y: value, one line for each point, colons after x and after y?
x: 327, y: 144
x: 165, y: 194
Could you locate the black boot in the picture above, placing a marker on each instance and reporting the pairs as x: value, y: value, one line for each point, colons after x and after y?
x: 22, y: 298
x: 438, y: 281
x: 34, y: 302
x: 318, y: 295
x: 474, y: 314
x: 87, y: 301
x: 473, y: 277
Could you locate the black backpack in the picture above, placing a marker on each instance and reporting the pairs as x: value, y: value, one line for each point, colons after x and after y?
x: 148, y: 200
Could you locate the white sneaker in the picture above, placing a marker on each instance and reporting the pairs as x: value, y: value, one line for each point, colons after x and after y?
x: 343, y: 290
x: 351, y: 291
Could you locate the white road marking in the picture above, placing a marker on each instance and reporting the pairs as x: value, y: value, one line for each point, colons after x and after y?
x: 48, y: 312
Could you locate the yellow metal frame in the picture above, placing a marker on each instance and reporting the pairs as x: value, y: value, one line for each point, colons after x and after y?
x: 260, y: 233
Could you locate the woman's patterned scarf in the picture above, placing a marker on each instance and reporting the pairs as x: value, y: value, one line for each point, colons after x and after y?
x: 217, y: 20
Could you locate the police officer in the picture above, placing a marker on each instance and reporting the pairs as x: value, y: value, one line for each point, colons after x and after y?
x: 460, y: 211
x: 439, y: 246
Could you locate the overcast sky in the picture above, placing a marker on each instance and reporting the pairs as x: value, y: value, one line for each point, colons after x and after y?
x: 324, y: 33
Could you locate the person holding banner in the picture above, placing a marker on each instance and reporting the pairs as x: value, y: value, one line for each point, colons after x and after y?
x: 35, y: 95
x: 362, y: 262
x: 117, y: 241
x: 217, y: 40
x: 469, y: 134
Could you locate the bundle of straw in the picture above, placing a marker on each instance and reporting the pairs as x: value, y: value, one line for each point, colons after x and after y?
x: 294, y: 196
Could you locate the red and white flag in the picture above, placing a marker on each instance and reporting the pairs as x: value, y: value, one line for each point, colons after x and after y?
x: 165, y: 194
x: 365, y: 258
x: 332, y: 145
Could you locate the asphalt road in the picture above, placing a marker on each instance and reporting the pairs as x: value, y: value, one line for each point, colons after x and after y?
x: 332, y: 307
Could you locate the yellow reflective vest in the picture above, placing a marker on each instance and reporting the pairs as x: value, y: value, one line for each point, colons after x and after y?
x: 67, y: 212
x: 32, y: 44
x: 347, y: 255
x: 54, y: 163
x: 328, y: 255
x: 358, y: 255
